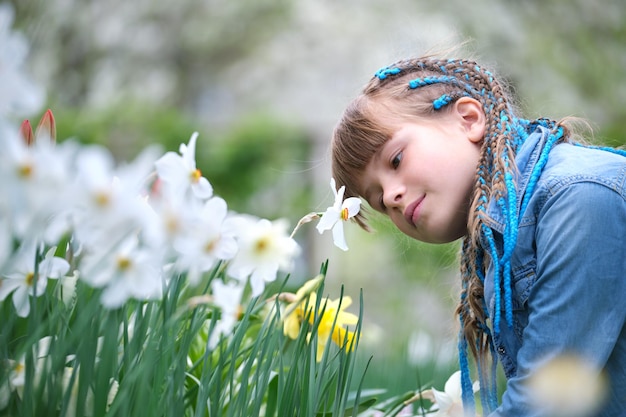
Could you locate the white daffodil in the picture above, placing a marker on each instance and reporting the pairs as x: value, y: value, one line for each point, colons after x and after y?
x: 448, y: 403
x: 24, y: 282
x: 180, y: 174
x: 108, y: 201
x: 264, y: 248
x: 35, y: 182
x: 211, y: 238
x: 127, y: 271
x: 228, y: 298
x: 568, y: 386
x: 17, y: 374
x: 335, y: 215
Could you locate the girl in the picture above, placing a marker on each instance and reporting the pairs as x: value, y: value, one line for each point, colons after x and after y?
x: 436, y: 145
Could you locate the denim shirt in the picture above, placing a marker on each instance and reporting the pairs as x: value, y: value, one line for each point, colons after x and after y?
x: 568, y: 272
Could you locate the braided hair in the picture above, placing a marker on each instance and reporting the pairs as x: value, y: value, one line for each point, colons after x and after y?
x: 423, y: 88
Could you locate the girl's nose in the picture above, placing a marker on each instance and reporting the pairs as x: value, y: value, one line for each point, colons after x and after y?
x: 392, y: 195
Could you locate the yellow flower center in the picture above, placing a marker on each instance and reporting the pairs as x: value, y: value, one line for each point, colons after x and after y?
x: 196, y: 175
x: 262, y: 244
x: 102, y: 199
x: 30, y: 277
x: 123, y: 263
x: 344, y: 214
x: 210, y: 246
x: 19, y: 368
x: 25, y: 171
x: 172, y: 225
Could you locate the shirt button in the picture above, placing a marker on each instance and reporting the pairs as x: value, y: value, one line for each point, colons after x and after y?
x: 501, y: 350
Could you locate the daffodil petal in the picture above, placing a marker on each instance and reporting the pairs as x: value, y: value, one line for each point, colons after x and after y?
x: 338, y: 237
x: 339, y: 196
x: 291, y: 326
x: 7, y: 286
x: 328, y: 220
x: 347, y: 318
x: 453, y: 386
x: 353, y: 204
x: 343, y: 337
x: 442, y: 399
x: 202, y: 189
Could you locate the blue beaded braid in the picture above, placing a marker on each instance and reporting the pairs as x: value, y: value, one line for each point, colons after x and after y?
x: 387, y: 71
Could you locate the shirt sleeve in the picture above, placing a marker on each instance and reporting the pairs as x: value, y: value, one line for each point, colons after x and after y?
x: 576, y: 306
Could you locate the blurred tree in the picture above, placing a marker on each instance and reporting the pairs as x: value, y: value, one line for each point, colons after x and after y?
x: 98, y: 52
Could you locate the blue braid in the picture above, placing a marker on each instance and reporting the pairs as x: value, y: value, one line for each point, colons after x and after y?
x: 442, y: 101
x: 509, y: 245
x: 446, y: 99
x: 386, y: 71
x: 421, y: 82
x: 467, y: 391
x: 541, y: 162
x: 488, y: 383
x: 493, y: 252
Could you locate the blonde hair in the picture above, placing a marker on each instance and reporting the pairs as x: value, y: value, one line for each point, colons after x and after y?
x: 423, y: 88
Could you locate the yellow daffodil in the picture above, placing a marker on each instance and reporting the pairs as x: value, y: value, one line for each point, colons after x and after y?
x: 333, y: 317
x: 341, y: 336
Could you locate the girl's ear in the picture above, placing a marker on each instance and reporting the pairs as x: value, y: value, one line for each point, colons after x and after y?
x: 472, y: 118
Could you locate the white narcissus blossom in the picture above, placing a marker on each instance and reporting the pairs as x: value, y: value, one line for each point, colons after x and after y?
x: 447, y: 403
x: 35, y: 182
x: 109, y: 204
x: 17, y: 374
x: 24, y: 282
x: 180, y: 174
x: 264, y: 248
x: 228, y: 298
x: 211, y: 239
x: 126, y: 271
x: 568, y: 386
x: 335, y: 215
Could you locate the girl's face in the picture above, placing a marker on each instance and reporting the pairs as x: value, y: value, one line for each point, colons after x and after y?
x: 422, y: 178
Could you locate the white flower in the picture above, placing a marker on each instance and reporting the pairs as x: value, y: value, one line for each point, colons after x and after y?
x: 568, y: 386
x: 449, y: 402
x: 211, y: 238
x: 336, y: 214
x: 179, y: 173
x: 264, y: 248
x: 17, y: 374
x: 109, y: 203
x: 126, y: 271
x: 24, y: 282
x: 35, y: 182
x: 228, y: 298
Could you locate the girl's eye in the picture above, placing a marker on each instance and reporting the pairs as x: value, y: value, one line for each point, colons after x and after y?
x: 395, y: 162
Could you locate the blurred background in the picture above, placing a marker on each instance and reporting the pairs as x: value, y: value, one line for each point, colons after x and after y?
x: 264, y: 82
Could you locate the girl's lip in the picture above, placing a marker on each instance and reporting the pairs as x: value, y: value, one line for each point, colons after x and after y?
x: 411, y: 214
